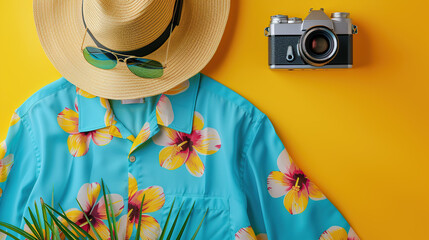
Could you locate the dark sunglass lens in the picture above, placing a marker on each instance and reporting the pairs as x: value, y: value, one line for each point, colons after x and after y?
x: 145, y: 68
x: 99, y: 58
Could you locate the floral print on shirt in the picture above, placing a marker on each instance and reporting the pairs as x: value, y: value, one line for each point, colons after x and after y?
x: 188, y: 125
x: 6, y: 163
x: 15, y: 119
x: 95, y: 211
x: 179, y: 88
x: 84, y: 93
x: 247, y: 233
x: 154, y: 200
x: 181, y: 148
x: 339, y: 233
x: 28, y: 230
x: 78, y: 142
x: 292, y: 182
x: 164, y: 111
x: 143, y: 136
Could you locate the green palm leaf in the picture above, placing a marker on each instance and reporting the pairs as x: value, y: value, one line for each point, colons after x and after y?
x: 32, y: 229
x: 18, y: 230
x: 198, y: 229
x: 186, y: 222
x: 54, y: 230
x: 63, y: 228
x: 75, y: 227
x: 9, y: 234
x: 109, y: 218
x: 166, y: 222
x: 38, y: 223
x: 36, y: 231
x: 89, y: 222
x: 113, y: 220
x: 45, y: 217
x: 174, y: 223
x: 72, y: 231
x: 140, y: 218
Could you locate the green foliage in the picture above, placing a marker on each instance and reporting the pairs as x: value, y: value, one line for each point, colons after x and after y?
x: 49, y: 225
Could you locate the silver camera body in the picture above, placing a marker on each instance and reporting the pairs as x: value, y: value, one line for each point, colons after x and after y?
x: 318, y: 41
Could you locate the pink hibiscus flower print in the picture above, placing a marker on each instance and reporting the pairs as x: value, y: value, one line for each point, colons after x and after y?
x: 78, y: 142
x: 247, y: 233
x: 339, y: 233
x: 154, y: 200
x: 6, y: 163
x: 181, y: 148
x: 292, y: 183
x: 96, y: 211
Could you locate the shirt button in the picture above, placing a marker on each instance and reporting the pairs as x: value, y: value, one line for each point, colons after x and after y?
x: 132, y: 159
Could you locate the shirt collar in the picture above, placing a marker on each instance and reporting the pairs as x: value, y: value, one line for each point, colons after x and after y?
x: 95, y: 112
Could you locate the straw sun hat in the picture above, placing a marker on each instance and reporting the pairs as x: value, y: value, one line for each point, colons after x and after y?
x: 124, y: 26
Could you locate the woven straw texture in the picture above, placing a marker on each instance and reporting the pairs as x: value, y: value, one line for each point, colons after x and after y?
x: 129, y: 25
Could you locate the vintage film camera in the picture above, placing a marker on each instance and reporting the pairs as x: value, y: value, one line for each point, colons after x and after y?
x: 316, y: 42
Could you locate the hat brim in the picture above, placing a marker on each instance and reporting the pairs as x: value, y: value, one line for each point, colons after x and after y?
x: 60, y: 29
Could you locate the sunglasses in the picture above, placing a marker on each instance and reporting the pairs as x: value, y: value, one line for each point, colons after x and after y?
x: 142, y: 67
x: 105, y: 59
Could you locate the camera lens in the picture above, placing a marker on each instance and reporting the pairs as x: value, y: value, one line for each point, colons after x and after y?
x: 318, y: 45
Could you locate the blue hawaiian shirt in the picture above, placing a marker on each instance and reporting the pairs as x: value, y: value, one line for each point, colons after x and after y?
x: 199, y: 144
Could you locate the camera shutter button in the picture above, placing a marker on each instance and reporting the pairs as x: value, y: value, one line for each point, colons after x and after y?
x: 289, y: 54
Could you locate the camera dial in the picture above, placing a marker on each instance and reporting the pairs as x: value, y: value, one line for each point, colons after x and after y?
x: 340, y: 15
x: 279, y: 18
x: 294, y: 20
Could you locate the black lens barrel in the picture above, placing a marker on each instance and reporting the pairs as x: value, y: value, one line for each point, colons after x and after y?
x: 318, y: 45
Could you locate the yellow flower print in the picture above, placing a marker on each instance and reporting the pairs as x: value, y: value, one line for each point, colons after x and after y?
x: 154, y: 200
x: 181, y: 148
x: 247, y: 233
x: 96, y: 211
x: 78, y: 143
x: 141, y: 138
x: 109, y: 118
x: 292, y: 182
x: 15, y: 119
x: 164, y: 111
x: 339, y: 233
x: 124, y: 228
x: 178, y: 89
x: 84, y: 93
x: 2, y: 235
x: 27, y: 229
x: 5, y: 163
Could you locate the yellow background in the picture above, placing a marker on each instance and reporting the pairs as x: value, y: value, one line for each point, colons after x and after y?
x: 361, y: 134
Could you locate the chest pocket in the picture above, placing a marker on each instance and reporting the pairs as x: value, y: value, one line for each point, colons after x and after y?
x: 216, y: 223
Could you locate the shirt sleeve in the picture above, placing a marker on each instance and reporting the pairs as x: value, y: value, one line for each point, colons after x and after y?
x: 18, y: 164
x: 282, y: 202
